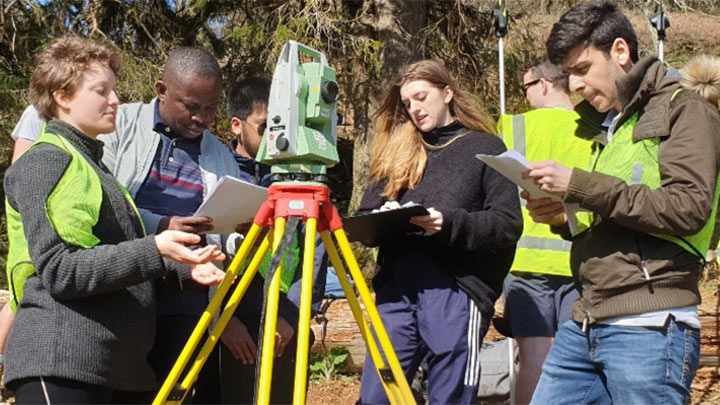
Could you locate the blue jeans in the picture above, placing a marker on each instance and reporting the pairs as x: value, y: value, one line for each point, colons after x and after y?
x: 620, y: 365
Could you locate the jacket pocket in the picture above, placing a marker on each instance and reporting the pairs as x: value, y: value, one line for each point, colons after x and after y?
x: 612, y: 262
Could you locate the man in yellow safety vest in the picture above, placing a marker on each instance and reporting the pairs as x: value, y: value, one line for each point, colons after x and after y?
x: 539, y: 290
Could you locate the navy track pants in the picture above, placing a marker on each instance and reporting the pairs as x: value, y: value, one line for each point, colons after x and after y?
x: 441, y: 323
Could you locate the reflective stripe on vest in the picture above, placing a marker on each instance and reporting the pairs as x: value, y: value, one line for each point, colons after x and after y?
x: 637, y: 163
x: 534, y: 242
x: 542, y: 134
x: 518, y: 131
x: 73, y: 209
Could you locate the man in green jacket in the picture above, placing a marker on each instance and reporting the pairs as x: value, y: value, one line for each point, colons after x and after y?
x: 652, y: 191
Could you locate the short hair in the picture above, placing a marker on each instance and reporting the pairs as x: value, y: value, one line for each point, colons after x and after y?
x: 247, y: 95
x: 193, y: 62
x: 62, y: 65
x: 596, y: 23
x: 541, y: 68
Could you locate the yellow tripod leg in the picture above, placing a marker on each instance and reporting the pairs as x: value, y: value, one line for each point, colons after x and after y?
x: 372, y: 347
x: 267, y: 352
x: 303, y: 329
x: 396, y: 388
x: 227, y: 313
x: 167, y: 388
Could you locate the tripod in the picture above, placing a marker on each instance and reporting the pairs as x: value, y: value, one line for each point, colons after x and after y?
x: 288, y: 203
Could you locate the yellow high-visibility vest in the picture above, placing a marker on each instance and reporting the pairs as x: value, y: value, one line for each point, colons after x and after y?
x: 638, y: 163
x: 544, y: 134
x: 73, y: 208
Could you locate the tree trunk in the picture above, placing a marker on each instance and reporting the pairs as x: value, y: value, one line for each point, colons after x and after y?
x: 397, y: 23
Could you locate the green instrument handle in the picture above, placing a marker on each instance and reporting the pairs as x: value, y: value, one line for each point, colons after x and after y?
x: 317, y: 56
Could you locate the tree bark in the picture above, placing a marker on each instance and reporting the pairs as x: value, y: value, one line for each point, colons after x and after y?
x: 397, y: 22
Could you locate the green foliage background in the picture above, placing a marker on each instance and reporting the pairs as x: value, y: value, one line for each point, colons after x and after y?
x: 365, y: 40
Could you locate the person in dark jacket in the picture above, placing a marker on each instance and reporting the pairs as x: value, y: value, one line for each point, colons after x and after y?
x: 652, y: 191
x: 435, y: 291
x: 82, y: 267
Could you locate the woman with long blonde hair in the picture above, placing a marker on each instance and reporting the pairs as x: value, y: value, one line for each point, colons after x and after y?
x: 436, y: 291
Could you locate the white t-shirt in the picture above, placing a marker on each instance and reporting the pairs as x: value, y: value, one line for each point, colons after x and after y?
x: 29, y: 126
x: 687, y: 315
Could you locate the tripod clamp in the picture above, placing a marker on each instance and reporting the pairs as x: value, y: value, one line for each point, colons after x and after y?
x: 661, y: 23
x: 301, y: 177
x: 500, y: 18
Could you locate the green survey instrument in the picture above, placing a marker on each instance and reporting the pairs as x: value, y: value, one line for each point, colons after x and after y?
x: 300, y: 138
x: 300, y: 144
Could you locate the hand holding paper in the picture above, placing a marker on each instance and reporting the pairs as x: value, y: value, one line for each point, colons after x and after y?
x: 515, y: 166
x: 389, y: 205
x: 230, y: 203
x: 384, y: 223
x: 431, y: 223
x: 544, y: 185
x: 551, y: 176
x: 544, y: 210
x: 191, y: 224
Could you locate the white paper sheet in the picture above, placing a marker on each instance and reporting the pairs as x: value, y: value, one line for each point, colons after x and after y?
x: 512, y: 164
x: 232, y: 202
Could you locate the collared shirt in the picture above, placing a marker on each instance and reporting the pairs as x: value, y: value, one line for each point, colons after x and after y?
x: 174, y: 184
x: 610, y: 120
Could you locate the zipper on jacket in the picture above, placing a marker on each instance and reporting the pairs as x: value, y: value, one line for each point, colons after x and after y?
x: 644, y: 268
x: 586, y: 322
x: 643, y: 264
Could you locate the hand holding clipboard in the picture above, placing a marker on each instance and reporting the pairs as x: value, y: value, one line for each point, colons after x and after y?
x: 384, y: 223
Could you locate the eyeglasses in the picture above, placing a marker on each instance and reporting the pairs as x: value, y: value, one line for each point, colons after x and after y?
x: 260, y: 128
x: 529, y: 84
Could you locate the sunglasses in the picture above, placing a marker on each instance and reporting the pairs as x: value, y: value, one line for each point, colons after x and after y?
x: 529, y: 84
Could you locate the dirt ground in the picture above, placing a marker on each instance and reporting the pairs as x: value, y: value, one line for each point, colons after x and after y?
x: 337, y: 392
x: 706, y: 386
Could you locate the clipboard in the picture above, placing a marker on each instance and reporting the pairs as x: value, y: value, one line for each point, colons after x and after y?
x: 232, y: 202
x: 380, y: 225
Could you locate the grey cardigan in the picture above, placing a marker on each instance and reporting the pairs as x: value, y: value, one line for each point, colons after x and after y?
x: 88, y: 314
